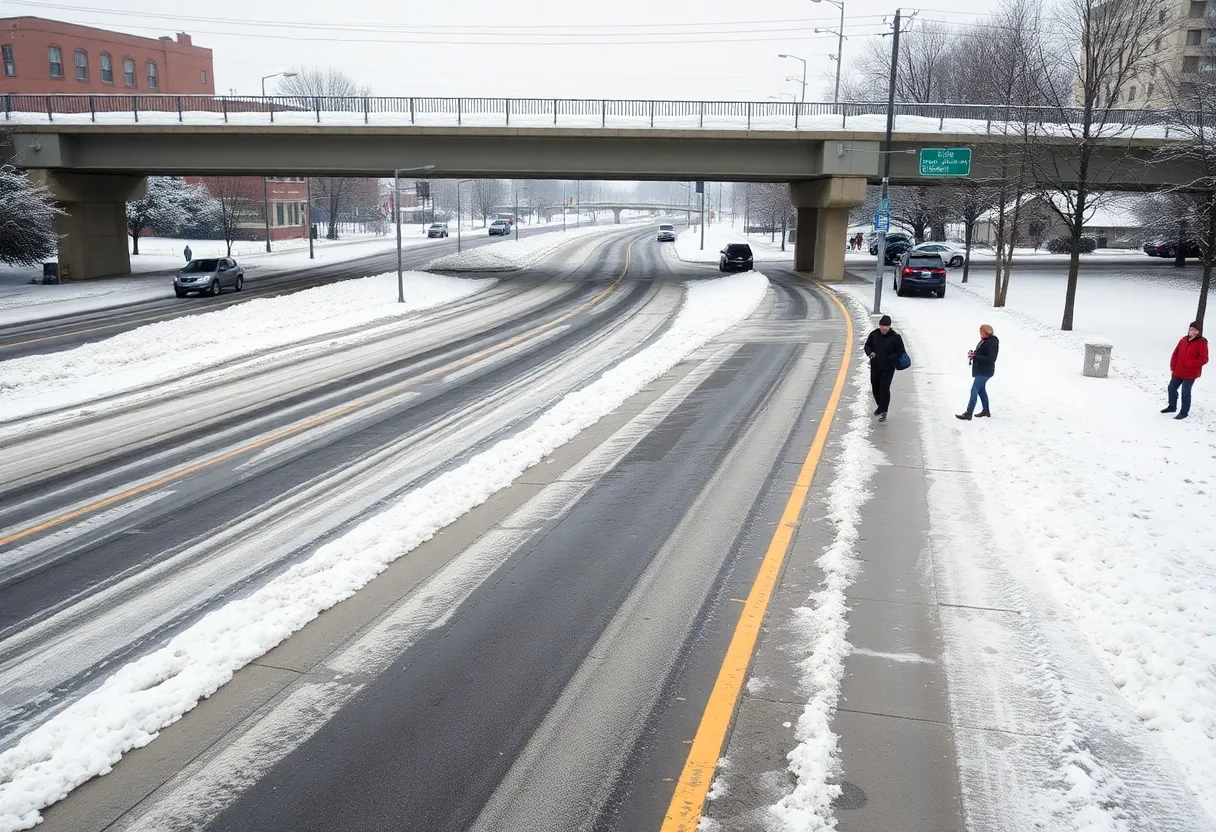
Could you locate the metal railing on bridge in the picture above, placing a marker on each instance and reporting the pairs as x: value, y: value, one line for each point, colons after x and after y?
x: 556, y: 112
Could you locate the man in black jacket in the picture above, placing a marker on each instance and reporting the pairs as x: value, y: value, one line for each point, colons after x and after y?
x: 884, y: 347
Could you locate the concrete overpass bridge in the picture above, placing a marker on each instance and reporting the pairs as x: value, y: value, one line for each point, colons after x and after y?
x: 93, y: 151
x: 550, y: 211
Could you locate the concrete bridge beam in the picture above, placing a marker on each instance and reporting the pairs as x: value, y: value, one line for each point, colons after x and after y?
x: 93, y: 228
x: 823, y: 209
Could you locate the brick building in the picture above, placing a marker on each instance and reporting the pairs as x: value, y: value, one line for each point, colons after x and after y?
x: 50, y: 56
x: 286, y: 196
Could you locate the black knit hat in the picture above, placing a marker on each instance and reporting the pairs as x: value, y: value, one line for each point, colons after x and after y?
x: 885, y: 320
x: 1195, y: 325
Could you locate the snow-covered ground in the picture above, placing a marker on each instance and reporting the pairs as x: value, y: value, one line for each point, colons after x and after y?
x: 717, y: 235
x: 175, y: 348
x: 511, y: 254
x: 140, y: 699
x: 1071, y: 536
x: 23, y: 300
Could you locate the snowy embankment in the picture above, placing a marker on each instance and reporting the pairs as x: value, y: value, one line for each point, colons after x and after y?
x: 1089, y: 515
x: 172, y: 349
x: 511, y: 254
x: 148, y: 694
x: 688, y: 245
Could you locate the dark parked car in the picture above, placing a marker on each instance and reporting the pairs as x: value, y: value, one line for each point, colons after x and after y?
x: 437, y: 229
x: 895, y: 237
x: 919, y: 272
x: 736, y: 257
x: 209, y: 276
x: 502, y: 227
x: 1169, y: 248
x: 895, y: 250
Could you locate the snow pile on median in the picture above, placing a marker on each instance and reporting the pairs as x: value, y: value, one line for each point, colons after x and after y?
x: 148, y: 694
x: 171, y: 349
x: 718, y: 235
x: 511, y: 254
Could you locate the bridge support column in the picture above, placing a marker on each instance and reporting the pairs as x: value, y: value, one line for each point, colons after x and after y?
x: 93, y: 227
x: 823, y: 222
x: 616, y: 216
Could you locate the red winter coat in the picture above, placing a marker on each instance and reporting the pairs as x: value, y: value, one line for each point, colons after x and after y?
x: 1189, y: 357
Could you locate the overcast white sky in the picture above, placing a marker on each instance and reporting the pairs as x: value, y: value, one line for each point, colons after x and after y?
x: 708, y: 49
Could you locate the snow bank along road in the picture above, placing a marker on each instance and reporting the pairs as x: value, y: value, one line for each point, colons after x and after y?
x: 564, y: 482
x: 42, y: 335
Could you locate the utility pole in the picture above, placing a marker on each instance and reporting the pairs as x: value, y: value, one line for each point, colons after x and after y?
x: 886, y: 167
x: 266, y: 209
x: 308, y: 213
x: 578, y: 204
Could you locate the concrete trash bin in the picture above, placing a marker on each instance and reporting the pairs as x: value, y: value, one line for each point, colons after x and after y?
x: 1097, y: 360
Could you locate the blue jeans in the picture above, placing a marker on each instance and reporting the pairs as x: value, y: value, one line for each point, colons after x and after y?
x: 979, y: 388
x: 1186, y: 384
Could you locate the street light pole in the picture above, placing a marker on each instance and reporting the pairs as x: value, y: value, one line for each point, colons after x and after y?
x: 886, y: 166
x: 396, y: 210
x: 265, y: 187
x: 308, y: 215
x: 839, y: 47
x: 459, y: 215
x: 803, y: 60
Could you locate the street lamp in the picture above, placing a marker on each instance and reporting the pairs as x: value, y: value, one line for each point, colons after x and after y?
x: 396, y: 210
x: 265, y: 187
x: 459, y: 215
x: 803, y: 60
x: 839, y: 46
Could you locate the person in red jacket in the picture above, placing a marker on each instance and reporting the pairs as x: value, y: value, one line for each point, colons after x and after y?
x: 1186, y: 365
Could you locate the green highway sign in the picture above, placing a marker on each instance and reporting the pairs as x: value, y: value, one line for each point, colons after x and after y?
x: 945, y: 161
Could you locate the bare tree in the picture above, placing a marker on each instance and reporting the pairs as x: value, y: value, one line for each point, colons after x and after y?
x: 484, y: 196
x: 928, y: 53
x: 1104, y: 47
x: 234, y: 205
x: 967, y: 201
x: 310, y: 82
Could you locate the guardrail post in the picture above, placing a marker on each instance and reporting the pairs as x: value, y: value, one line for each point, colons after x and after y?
x: 92, y: 109
x: 459, y: 118
x: 364, y: 115
x: 988, y: 129
x: 797, y: 112
x: 411, y: 109
x: 135, y: 107
x: 508, y: 108
x: 8, y: 105
x: 49, y: 115
x: 317, y: 101
x: 749, y: 115
x: 603, y: 112
x: 555, y: 112
x: 271, y: 104
x: 701, y: 122
x: 224, y: 107
x: 179, y: 109
x: 651, y: 115
x: 941, y: 122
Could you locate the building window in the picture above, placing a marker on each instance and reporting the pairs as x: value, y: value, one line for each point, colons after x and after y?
x: 1149, y: 93
x: 128, y: 71
x: 1131, y: 94
x: 1193, y: 36
x: 278, y: 214
x: 10, y: 65
x: 295, y: 213
x: 107, y: 68
x: 153, y: 81
x: 1190, y: 64
x: 55, y: 59
x: 1197, y: 8
x: 81, y: 59
x: 202, y: 76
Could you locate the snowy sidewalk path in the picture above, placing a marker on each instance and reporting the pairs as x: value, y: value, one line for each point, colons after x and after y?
x: 1070, y: 536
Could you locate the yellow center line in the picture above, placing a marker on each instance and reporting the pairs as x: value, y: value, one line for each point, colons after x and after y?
x: 316, y: 421
x: 684, y: 811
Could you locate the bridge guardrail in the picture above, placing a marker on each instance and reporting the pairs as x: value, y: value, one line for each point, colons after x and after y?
x: 575, y: 112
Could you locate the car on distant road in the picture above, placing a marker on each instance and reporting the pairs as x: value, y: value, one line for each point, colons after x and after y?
x: 209, y: 276
x: 736, y: 257
x: 893, y: 237
x: 667, y: 233
x: 952, y: 254
x: 920, y: 272
x: 502, y: 227
x: 1169, y: 248
x: 437, y: 229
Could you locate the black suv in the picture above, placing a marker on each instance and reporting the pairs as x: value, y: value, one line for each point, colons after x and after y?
x: 1169, y: 248
x: 920, y: 272
x: 892, y: 239
x: 736, y: 257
